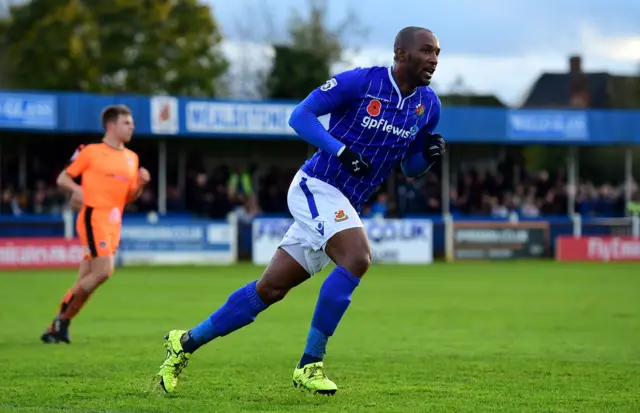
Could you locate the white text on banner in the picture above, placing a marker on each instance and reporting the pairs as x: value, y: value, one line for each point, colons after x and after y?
x: 240, y: 118
x: 398, y: 241
x: 177, y: 243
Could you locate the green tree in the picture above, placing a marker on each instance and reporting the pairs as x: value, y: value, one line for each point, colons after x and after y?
x: 283, y: 84
x: 124, y: 46
x: 4, y: 12
x: 314, y: 47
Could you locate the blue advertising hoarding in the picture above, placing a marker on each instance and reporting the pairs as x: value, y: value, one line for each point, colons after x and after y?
x: 176, y: 241
x: 541, y: 125
x: 176, y: 117
x: 28, y: 111
x: 407, y: 241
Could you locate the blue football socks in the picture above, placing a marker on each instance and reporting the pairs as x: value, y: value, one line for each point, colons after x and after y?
x: 242, y: 308
x: 334, y: 299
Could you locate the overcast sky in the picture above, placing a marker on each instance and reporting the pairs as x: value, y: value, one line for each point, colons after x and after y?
x: 497, y: 46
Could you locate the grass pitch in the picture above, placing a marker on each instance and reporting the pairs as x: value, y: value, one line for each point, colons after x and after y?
x: 481, y: 337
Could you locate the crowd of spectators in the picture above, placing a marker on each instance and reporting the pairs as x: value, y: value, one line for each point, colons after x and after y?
x: 477, y: 193
x: 264, y: 190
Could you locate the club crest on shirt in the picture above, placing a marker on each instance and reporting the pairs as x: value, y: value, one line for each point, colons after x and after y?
x: 419, y: 110
x: 340, y: 216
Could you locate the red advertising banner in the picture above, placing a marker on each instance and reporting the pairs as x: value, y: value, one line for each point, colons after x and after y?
x: 18, y: 253
x: 569, y: 248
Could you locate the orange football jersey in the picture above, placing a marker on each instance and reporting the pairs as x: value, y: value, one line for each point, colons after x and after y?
x: 109, y: 175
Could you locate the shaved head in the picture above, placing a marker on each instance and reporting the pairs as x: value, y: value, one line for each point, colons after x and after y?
x: 406, y: 36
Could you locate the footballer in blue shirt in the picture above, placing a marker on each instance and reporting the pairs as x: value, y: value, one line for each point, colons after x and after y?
x: 379, y: 117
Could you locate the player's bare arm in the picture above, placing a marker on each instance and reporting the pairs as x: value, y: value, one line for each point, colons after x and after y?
x: 144, y: 177
x: 67, y: 184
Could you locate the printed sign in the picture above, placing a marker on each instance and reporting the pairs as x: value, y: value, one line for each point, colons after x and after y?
x: 399, y: 241
x: 28, y: 111
x: 177, y: 242
x: 164, y: 115
x: 497, y: 240
x: 17, y: 253
x: 241, y: 118
x: 545, y: 125
x: 597, y: 248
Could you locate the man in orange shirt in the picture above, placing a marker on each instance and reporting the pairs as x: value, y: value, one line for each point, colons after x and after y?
x: 110, y: 180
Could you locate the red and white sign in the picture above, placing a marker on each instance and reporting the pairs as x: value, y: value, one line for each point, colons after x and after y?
x: 39, y: 253
x: 164, y: 115
x: 597, y: 249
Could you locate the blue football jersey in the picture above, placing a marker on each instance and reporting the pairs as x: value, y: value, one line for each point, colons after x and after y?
x: 370, y: 116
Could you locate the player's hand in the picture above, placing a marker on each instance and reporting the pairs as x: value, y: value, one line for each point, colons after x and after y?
x: 143, y: 176
x: 434, y: 147
x: 77, y: 200
x: 356, y: 163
